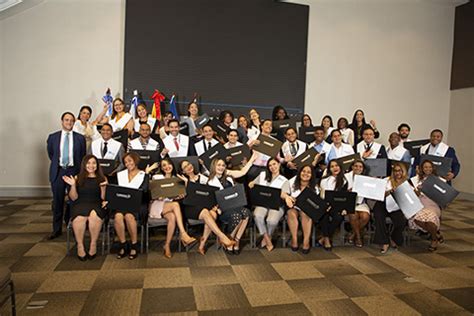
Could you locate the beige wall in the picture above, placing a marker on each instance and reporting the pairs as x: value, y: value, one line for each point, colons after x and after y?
x: 54, y: 57
x: 390, y: 57
x: 461, y: 118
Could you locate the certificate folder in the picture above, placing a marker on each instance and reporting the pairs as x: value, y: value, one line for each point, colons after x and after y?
x: 306, y: 158
x: 147, y: 157
x: 220, y: 128
x: 306, y: 134
x: 201, y: 121
x: 268, y: 145
x: 200, y: 195
x: 370, y: 188
x: 341, y: 200
x: 347, y: 161
x: 309, y: 202
x: 108, y: 165
x: 265, y: 196
x: 122, y: 198
x: 238, y: 154
x: 217, y: 151
x: 414, y: 146
x: 439, y: 191
x: 122, y: 137
x: 231, y: 198
x: 407, y: 199
x: 167, y: 188
x: 191, y: 159
x: 377, y: 167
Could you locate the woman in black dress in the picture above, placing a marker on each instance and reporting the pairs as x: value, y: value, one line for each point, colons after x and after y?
x: 87, y: 191
x: 359, y: 124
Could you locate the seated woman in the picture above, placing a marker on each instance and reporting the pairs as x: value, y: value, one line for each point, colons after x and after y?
x: 170, y: 210
x: 333, y: 181
x: 120, y: 119
x: 142, y: 116
x: 262, y: 159
x: 390, y: 208
x: 267, y: 219
x: 428, y: 219
x: 198, y: 213
x: 237, y: 218
x: 131, y: 177
x: 86, y: 128
x: 361, y: 216
x: 347, y: 133
x: 304, y: 179
x: 87, y: 192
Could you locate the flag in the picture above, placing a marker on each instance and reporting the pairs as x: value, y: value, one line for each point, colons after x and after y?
x: 134, y: 103
x: 157, y: 97
x: 173, y: 108
x: 108, y: 99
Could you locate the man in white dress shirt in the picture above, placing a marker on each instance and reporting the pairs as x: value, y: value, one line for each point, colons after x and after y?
x: 176, y: 143
x: 108, y: 148
x: 207, y: 142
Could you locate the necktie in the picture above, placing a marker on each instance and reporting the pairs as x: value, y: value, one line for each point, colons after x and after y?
x: 209, y: 145
x: 367, y: 147
x: 144, y: 145
x: 176, y: 143
x: 293, y: 150
x: 65, y: 160
x: 104, y: 150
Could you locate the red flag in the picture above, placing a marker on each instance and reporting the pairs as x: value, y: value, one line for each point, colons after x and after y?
x: 157, y: 97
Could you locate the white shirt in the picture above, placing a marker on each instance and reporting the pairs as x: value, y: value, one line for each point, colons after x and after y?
x: 137, y: 145
x: 113, y: 148
x: 229, y: 145
x: 295, y: 192
x: 375, y: 147
x: 118, y: 125
x: 396, y: 153
x: 150, y: 121
x: 347, y: 136
x: 135, y: 183
x: 299, y: 145
x: 88, y: 131
x: 70, y: 153
x: 350, y: 184
x: 253, y: 132
x: 183, y: 142
x: 439, y: 150
x: 279, y: 182
x: 214, y: 182
x: 203, y: 145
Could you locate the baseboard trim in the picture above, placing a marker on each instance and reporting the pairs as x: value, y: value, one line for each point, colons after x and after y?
x: 466, y: 196
x: 25, y: 191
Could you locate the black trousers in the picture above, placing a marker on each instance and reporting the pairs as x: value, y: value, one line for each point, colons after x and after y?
x: 382, y: 233
x: 330, y: 222
x: 58, y: 188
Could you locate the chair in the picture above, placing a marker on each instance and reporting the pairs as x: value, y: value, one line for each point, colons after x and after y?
x: 68, y: 236
x: 6, y: 282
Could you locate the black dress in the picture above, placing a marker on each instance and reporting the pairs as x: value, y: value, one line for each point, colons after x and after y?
x: 193, y: 211
x: 88, y: 200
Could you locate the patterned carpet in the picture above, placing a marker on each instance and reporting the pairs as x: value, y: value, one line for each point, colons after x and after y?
x: 342, y: 282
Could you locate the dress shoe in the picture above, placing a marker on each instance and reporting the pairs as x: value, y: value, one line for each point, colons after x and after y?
x: 54, y: 235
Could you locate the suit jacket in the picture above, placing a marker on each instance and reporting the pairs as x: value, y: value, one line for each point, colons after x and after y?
x: 53, y: 143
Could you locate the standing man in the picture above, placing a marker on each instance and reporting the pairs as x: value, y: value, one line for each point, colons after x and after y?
x: 65, y: 150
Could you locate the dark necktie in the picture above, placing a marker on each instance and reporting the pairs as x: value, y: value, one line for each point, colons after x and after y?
x: 367, y: 147
x: 209, y: 145
x: 293, y: 150
x: 104, y: 150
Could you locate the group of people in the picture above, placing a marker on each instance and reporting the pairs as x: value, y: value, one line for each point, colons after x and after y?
x: 77, y: 149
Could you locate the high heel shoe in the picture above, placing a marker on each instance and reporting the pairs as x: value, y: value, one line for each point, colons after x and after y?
x: 91, y: 257
x: 84, y: 258
x: 122, y: 251
x: 133, y: 248
x: 434, y: 245
x: 235, y: 250
x: 188, y: 241
x: 167, y: 252
x: 305, y: 251
x: 202, y: 250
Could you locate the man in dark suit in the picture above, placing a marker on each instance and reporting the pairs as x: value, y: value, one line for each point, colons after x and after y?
x: 65, y: 150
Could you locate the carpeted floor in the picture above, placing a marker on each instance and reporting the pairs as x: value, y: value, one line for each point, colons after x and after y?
x: 345, y: 281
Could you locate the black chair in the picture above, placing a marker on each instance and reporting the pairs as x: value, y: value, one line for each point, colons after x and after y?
x: 6, y: 284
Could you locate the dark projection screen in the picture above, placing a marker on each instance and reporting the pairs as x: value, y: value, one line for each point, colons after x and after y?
x: 233, y: 54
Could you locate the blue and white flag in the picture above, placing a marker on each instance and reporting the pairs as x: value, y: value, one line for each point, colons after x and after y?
x: 108, y: 99
x: 134, y: 104
x: 173, y: 108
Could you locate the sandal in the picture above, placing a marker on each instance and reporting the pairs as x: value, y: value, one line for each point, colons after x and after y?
x: 202, y: 250
x: 167, y: 252
x: 122, y: 251
x: 358, y: 243
x: 434, y: 245
x: 133, y: 248
x: 385, y: 249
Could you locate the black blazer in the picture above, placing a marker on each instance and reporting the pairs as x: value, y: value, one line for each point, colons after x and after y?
x: 53, y: 143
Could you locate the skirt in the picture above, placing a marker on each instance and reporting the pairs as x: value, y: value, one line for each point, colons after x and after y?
x: 85, y: 208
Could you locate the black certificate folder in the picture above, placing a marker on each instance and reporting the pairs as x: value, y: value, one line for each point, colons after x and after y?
x: 167, y: 188
x: 147, y: 157
x: 122, y: 198
x: 267, y: 197
x: 310, y: 203
x: 217, y: 151
x: 108, y: 165
x: 341, y: 200
x: 439, y: 191
x: 200, y: 195
x: 268, y: 145
x: 231, y: 198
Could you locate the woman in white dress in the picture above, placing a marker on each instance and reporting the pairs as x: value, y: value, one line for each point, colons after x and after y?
x: 86, y: 128
x: 120, y: 119
x: 142, y: 116
x: 361, y: 216
x: 170, y: 210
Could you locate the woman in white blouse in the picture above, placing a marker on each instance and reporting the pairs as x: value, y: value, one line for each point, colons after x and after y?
x: 142, y: 116
x: 120, y: 119
x: 328, y: 126
x: 266, y: 219
x: 304, y: 179
x: 347, y: 133
x: 86, y: 128
x: 361, y: 216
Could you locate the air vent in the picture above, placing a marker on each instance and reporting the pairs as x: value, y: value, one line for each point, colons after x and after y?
x: 5, y: 4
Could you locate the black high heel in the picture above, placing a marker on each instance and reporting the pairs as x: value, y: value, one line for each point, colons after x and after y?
x: 122, y: 251
x: 91, y: 257
x: 82, y: 258
x: 135, y: 255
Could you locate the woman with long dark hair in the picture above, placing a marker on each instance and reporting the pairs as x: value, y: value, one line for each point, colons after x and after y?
x: 120, y: 119
x: 359, y: 124
x: 87, y: 191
